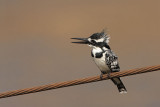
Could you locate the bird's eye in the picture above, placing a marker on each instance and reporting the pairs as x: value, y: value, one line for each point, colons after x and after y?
x: 93, y: 41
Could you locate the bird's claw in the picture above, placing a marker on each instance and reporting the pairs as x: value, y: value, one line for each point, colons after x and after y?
x: 101, y: 76
x: 109, y: 75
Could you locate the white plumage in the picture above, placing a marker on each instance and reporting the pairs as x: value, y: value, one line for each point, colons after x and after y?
x: 100, y: 62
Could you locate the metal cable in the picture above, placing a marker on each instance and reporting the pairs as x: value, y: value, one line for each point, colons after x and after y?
x: 79, y: 81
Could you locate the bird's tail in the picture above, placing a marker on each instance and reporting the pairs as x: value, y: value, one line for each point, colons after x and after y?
x: 117, y: 81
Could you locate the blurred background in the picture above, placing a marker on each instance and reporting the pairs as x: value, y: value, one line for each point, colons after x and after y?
x: 36, y: 49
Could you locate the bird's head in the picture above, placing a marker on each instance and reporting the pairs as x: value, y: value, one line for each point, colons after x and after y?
x: 95, y: 40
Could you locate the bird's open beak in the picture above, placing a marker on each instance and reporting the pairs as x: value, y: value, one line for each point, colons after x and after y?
x: 83, y: 40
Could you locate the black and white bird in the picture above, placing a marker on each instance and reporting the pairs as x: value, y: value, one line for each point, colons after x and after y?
x: 103, y: 56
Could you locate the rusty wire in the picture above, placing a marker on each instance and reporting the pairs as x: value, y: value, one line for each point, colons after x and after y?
x: 78, y: 81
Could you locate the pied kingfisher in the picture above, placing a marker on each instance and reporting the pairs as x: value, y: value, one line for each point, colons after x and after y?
x: 103, y: 56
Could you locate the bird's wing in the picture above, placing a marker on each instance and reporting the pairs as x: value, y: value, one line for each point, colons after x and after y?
x: 112, y: 61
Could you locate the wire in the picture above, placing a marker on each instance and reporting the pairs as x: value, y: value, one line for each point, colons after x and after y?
x: 79, y: 81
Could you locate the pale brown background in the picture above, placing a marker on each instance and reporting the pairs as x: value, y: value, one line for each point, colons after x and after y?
x: 35, y: 50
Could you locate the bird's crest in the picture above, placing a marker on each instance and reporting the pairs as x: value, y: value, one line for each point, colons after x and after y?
x: 105, y: 35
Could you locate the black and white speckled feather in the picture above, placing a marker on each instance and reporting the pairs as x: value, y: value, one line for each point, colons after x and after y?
x: 112, y: 61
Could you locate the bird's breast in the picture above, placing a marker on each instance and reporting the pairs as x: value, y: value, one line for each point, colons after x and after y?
x: 101, y: 63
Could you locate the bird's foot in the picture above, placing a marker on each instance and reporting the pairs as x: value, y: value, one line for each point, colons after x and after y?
x: 109, y: 75
x: 101, y: 76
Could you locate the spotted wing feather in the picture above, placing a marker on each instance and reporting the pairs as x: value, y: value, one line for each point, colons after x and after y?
x: 112, y: 62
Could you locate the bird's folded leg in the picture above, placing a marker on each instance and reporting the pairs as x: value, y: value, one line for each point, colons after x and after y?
x: 101, y: 76
x: 109, y: 75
